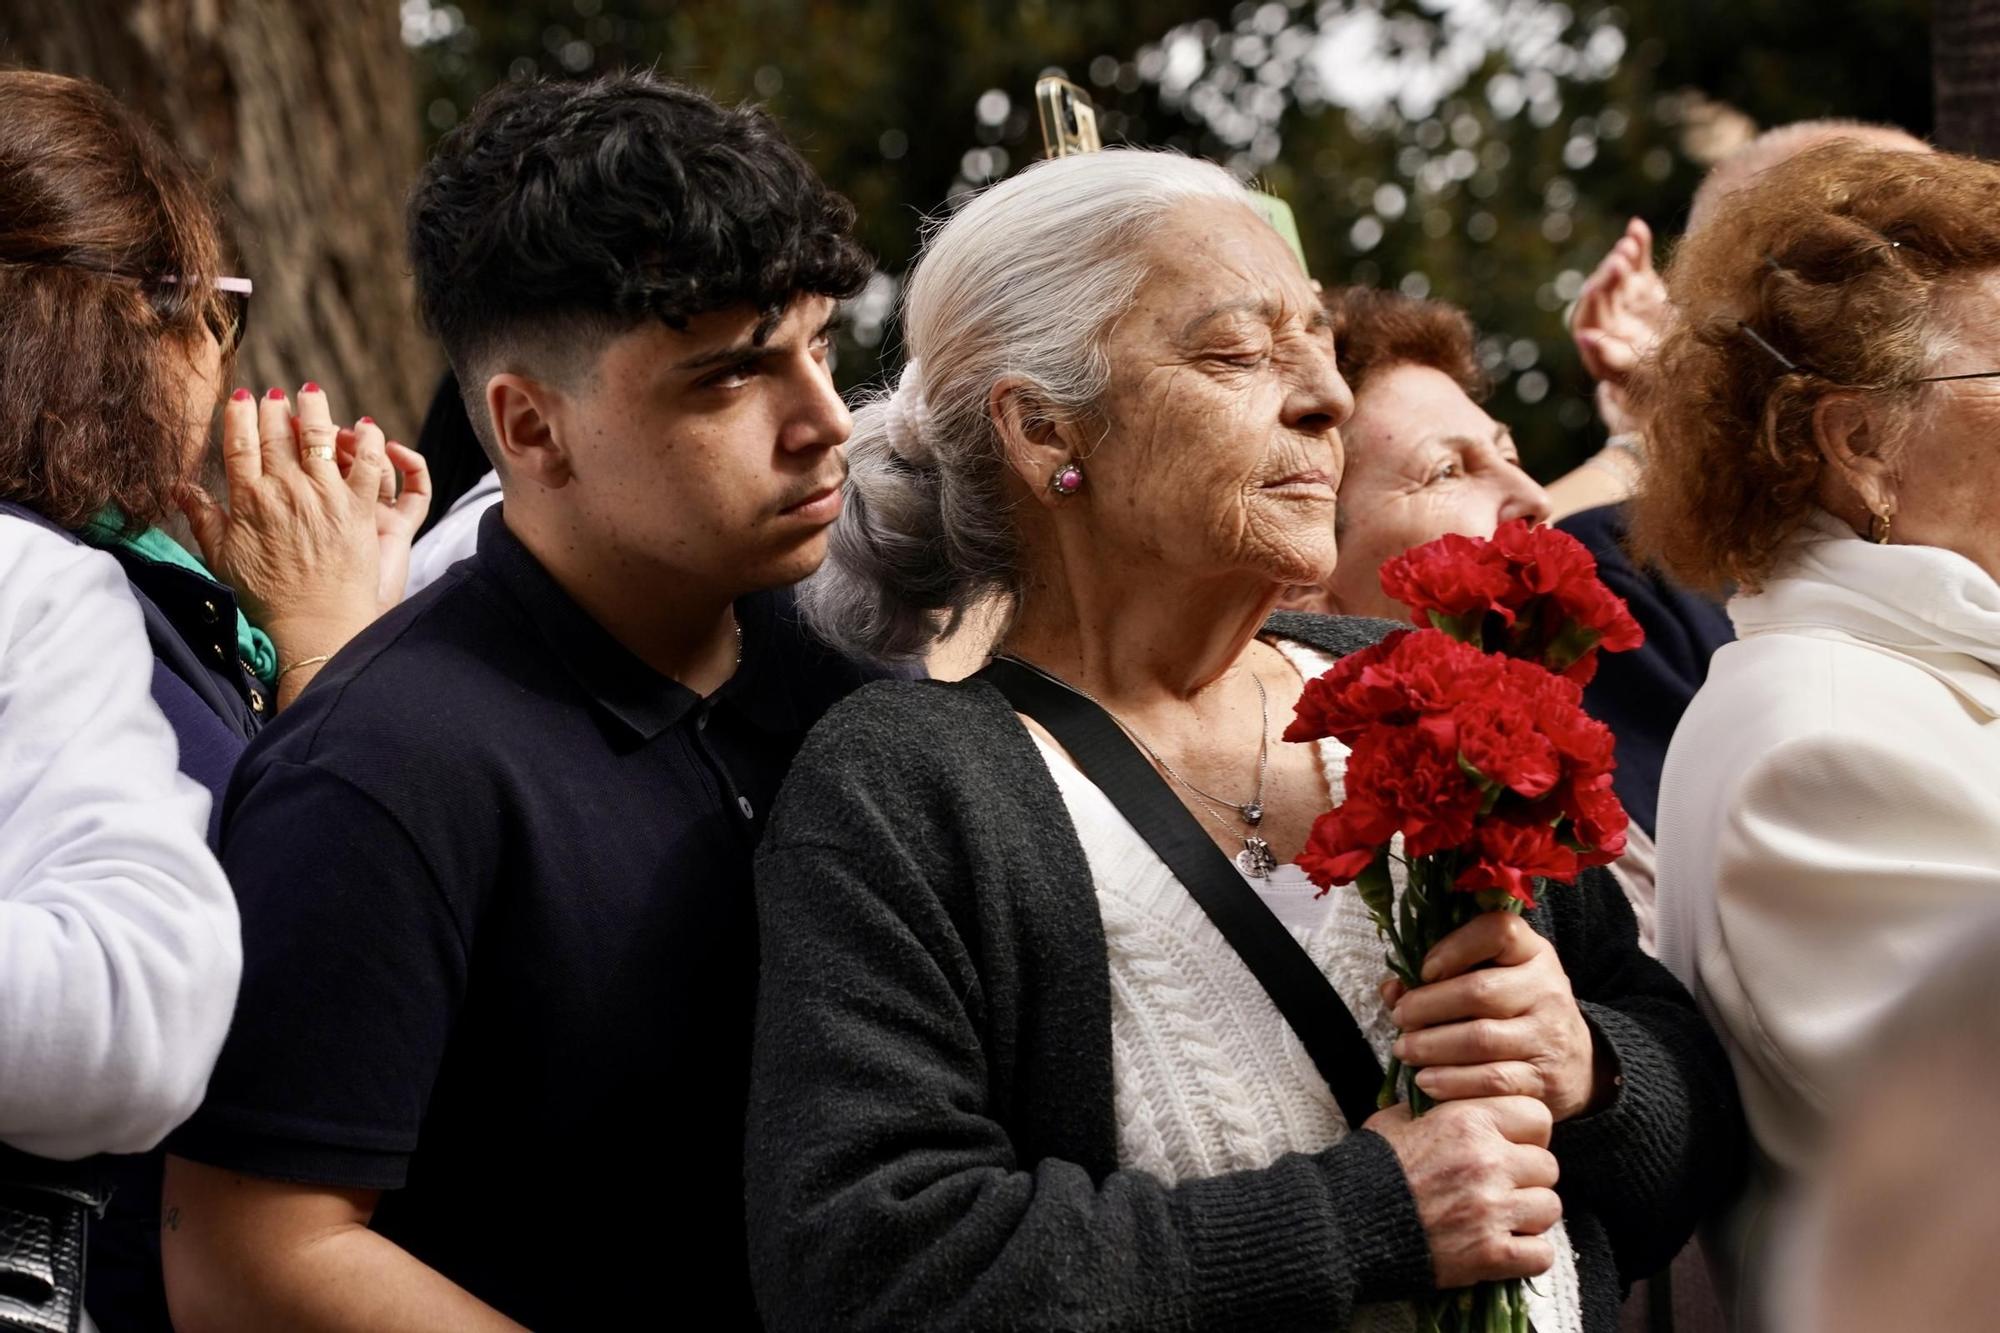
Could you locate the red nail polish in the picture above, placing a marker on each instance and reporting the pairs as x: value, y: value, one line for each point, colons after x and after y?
x: 366, y: 421
x: 276, y: 395
x: 310, y: 387
x: 241, y: 395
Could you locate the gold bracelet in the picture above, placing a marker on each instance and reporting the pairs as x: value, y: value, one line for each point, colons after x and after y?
x: 302, y: 662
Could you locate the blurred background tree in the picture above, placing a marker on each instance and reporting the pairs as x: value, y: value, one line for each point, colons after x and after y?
x: 305, y: 114
x: 1485, y: 151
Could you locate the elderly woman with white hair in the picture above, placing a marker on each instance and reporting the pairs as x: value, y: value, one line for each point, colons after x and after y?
x: 1009, y: 1071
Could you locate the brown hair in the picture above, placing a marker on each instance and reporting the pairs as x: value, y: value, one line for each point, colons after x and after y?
x: 1827, y: 274
x: 95, y: 211
x: 1375, y: 329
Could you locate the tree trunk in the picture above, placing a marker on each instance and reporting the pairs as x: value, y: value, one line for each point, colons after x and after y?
x: 1965, y: 64
x: 303, y: 113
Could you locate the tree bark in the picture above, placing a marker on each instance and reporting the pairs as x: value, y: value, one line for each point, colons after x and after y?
x: 303, y: 113
x: 1965, y: 65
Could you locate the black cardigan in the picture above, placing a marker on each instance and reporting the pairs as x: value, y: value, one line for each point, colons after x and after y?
x: 931, y: 1141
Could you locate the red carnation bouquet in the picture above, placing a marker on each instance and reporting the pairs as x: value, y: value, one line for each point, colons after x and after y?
x: 1468, y: 738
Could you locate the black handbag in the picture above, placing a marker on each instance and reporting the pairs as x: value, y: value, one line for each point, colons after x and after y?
x: 45, y: 1210
x: 1308, y: 1001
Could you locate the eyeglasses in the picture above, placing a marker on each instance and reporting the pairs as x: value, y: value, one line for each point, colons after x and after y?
x: 1792, y: 367
x: 229, y: 324
x: 1946, y: 379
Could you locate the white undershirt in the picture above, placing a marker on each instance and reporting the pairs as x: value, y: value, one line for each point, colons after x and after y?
x: 1207, y: 1077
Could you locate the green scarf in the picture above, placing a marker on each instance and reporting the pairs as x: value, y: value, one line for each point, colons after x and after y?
x: 252, y: 644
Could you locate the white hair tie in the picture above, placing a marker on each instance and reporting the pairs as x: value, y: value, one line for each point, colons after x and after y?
x: 905, y: 417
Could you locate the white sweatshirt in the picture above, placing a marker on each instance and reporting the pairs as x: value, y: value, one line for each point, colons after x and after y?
x: 119, y: 947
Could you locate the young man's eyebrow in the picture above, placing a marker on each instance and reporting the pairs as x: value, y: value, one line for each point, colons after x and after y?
x: 733, y: 354
x: 753, y: 348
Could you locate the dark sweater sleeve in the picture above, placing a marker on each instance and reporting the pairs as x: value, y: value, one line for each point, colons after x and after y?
x: 1671, y: 1145
x: 884, y: 1188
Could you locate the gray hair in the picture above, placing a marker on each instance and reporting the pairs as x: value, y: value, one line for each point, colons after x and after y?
x: 1025, y: 282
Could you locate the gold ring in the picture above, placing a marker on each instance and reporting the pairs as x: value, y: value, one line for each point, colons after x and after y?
x: 322, y: 452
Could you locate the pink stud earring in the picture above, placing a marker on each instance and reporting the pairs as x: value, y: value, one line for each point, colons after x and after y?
x: 1068, y: 479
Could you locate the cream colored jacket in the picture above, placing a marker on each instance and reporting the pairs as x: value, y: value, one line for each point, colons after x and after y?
x: 1830, y: 823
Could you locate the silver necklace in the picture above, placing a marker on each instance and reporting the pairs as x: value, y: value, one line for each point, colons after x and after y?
x: 1256, y: 859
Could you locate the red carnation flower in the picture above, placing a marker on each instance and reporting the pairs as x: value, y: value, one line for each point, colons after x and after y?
x: 1508, y: 857
x: 1454, y: 576
x: 1434, y: 801
x: 1339, y: 703
x: 1542, y: 559
x: 1597, y: 819
x: 1498, y: 736
x: 1345, y: 840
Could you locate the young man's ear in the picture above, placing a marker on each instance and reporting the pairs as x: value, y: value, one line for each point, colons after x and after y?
x: 527, y: 428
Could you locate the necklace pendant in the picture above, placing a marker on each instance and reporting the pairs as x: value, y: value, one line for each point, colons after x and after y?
x: 1256, y: 859
x: 1253, y: 813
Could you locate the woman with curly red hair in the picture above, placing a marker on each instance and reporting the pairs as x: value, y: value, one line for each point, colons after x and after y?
x: 1824, y: 408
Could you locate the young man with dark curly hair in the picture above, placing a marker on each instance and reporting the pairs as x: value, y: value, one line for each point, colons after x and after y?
x: 489, y: 1064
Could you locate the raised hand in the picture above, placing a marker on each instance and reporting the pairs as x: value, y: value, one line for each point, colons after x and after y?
x: 298, y: 539
x: 1619, y: 315
x: 399, y: 512
x: 1484, y: 1182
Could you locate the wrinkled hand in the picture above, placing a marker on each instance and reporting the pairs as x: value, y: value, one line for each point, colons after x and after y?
x: 1484, y: 1181
x: 298, y: 540
x: 1511, y: 1029
x: 1621, y: 311
x: 399, y: 512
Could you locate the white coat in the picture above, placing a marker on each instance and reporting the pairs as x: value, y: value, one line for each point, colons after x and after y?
x: 1829, y: 826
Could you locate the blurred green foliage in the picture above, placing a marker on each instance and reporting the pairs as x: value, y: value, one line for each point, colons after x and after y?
x: 1483, y: 151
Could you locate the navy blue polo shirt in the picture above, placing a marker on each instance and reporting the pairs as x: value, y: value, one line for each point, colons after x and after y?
x: 499, y: 939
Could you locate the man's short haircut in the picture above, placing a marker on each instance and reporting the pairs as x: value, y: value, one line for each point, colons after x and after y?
x: 560, y: 214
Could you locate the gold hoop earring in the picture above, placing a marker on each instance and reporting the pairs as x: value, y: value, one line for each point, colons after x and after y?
x: 1878, y: 527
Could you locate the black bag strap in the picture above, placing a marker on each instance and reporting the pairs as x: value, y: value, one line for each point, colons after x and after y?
x: 1295, y: 984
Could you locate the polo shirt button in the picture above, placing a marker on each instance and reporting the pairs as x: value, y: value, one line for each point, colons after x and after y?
x: 701, y: 720
x: 743, y: 804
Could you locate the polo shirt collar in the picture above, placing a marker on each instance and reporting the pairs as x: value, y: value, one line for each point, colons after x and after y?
x: 642, y: 699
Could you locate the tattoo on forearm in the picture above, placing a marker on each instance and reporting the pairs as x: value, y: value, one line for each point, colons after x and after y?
x: 172, y: 1218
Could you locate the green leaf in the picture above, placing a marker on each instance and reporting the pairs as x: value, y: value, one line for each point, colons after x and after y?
x: 1378, y: 890
x: 1464, y: 628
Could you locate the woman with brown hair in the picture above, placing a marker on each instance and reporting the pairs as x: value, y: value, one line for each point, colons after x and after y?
x: 1823, y: 413
x: 117, y: 325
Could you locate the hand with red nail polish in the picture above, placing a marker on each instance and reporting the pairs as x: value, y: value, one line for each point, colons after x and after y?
x: 309, y: 541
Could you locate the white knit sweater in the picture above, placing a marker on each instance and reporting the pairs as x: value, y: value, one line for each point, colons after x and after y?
x: 1207, y: 1076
